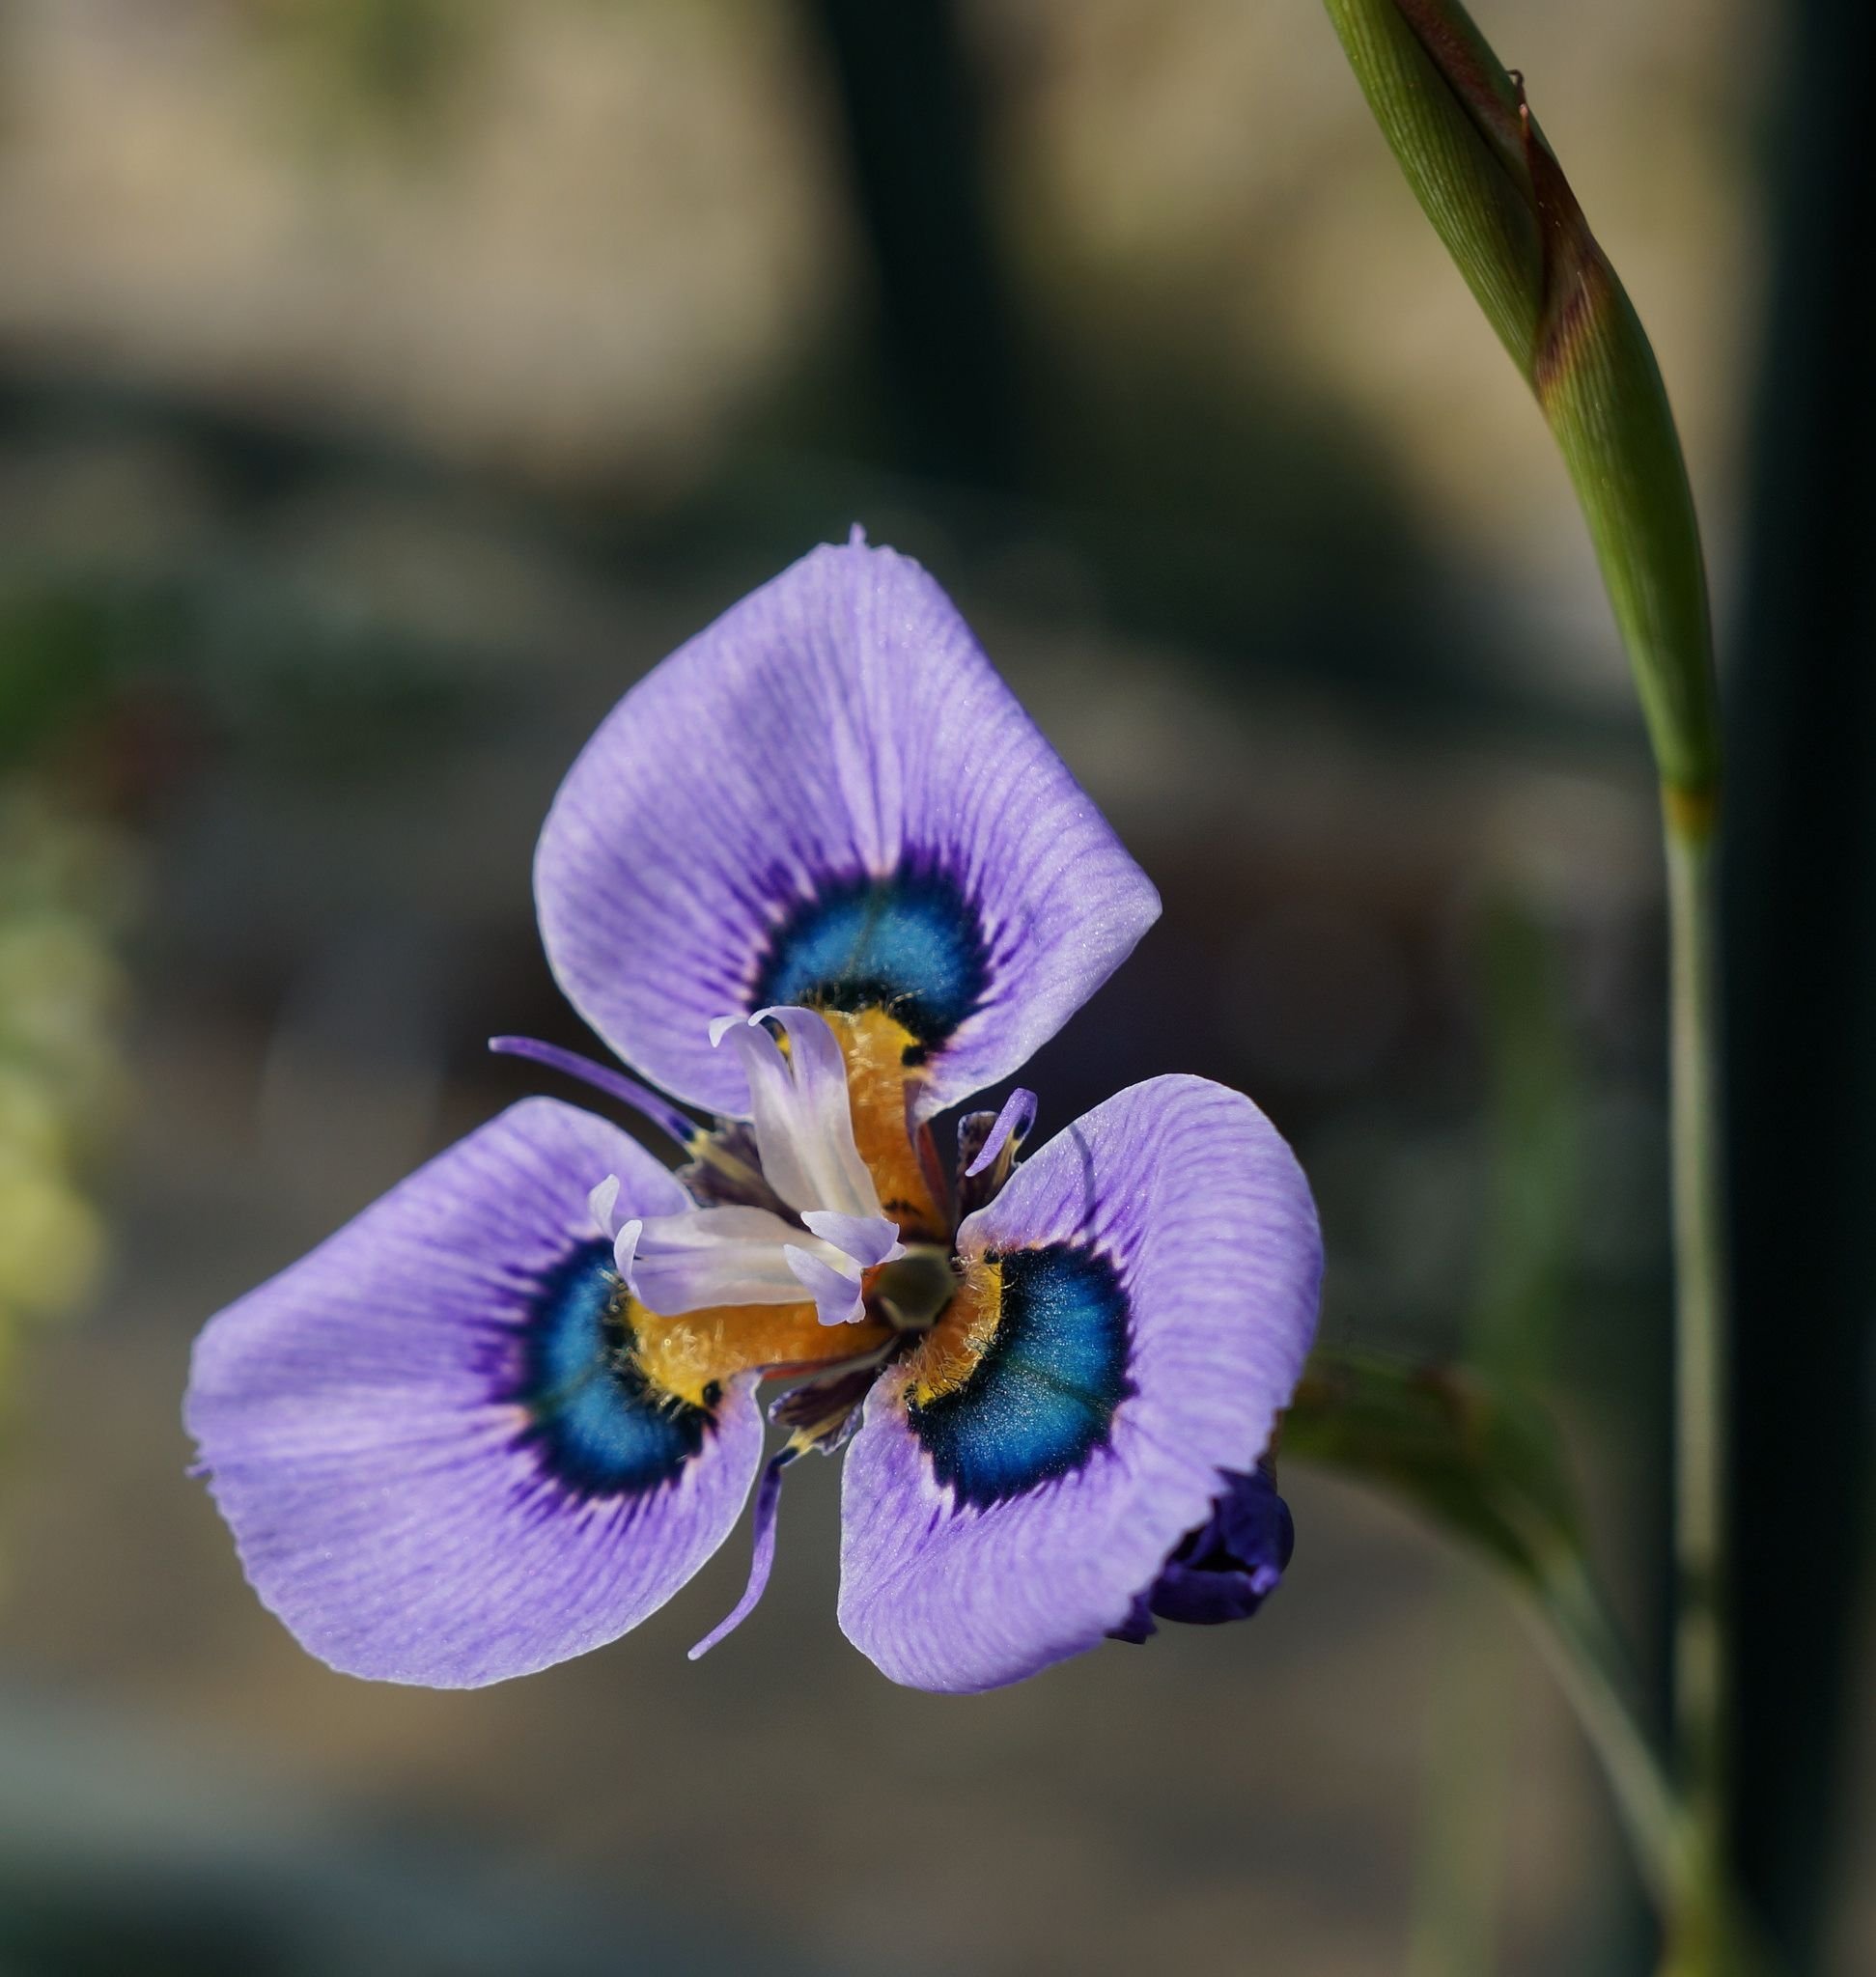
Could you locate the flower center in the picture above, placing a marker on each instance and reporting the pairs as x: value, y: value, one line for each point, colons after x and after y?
x: 791, y: 1206
x: 914, y: 1291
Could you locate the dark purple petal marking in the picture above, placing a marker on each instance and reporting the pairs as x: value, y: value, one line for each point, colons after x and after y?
x: 598, y: 1427
x: 1227, y: 1568
x: 910, y: 944
x: 1041, y: 1400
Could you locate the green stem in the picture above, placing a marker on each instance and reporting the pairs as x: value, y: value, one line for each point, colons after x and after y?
x: 1702, y: 1671
x: 1585, y: 1653
x: 1670, y: 1832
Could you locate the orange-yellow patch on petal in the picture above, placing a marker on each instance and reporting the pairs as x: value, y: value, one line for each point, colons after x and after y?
x: 686, y: 1354
x: 948, y: 1354
x: 879, y: 1082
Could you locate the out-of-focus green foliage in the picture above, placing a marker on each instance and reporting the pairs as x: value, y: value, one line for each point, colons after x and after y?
x: 1476, y: 1459
x: 1532, y: 1134
x: 67, y: 888
x: 247, y: 669
x: 382, y: 68
x: 110, y: 690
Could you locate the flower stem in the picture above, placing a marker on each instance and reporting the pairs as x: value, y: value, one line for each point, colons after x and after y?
x: 1460, y: 126
x: 1702, y: 1672
x: 1581, y: 1642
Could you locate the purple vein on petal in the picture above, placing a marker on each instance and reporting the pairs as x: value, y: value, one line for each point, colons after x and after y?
x: 642, y: 1100
x: 768, y: 1496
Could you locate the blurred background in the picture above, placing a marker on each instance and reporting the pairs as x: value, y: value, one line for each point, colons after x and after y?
x: 385, y: 385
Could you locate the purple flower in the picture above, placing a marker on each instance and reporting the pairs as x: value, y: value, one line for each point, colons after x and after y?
x: 819, y: 875
x: 1227, y: 1568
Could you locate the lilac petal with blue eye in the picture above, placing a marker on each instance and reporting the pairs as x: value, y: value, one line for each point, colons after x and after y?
x: 1148, y: 1283
x: 438, y: 1459
x: 829, y: 798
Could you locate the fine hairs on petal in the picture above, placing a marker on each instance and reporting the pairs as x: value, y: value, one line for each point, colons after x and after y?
x: 768, y: 1496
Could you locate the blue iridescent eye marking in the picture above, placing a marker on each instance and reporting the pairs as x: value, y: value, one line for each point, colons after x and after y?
x: 910, y: 944
x: 600, y: 1426
x: 1042, y: 1398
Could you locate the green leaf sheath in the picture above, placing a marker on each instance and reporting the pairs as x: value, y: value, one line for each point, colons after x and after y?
x: 1483, y: 173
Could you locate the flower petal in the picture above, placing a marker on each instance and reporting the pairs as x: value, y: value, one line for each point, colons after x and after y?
x: 437, y: 1454
x: 707, y: 1257
x: 869, y: 1240
x: 1137, y: 1304
x: 836, y: 1291
x: 829, y: 797
x: 1012, y: 1124
x: 803, y: 1123
x: 1227, y: 1568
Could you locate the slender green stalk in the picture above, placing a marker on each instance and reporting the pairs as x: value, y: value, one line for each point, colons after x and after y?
x: 1702, y: 1674
x: 1461, y: 129
x: 1585, y: 1653
x: 1671, y: 1829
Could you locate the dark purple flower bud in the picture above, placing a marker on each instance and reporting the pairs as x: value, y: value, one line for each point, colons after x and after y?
x: 1227, y: 1568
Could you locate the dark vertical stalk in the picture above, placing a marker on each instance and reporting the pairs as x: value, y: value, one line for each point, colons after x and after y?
x: 909, y: 120
x: 1801, y: 970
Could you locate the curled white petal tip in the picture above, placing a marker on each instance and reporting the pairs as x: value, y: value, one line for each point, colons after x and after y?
x: 868, y: 1239
x: 837, y: 1299
x: 721, y: 1025
x: 625, y: 1248
x: 801, y: 1110
x: 602, y: 1201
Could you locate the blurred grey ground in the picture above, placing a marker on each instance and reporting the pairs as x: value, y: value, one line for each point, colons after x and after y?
x: 383, y: 386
